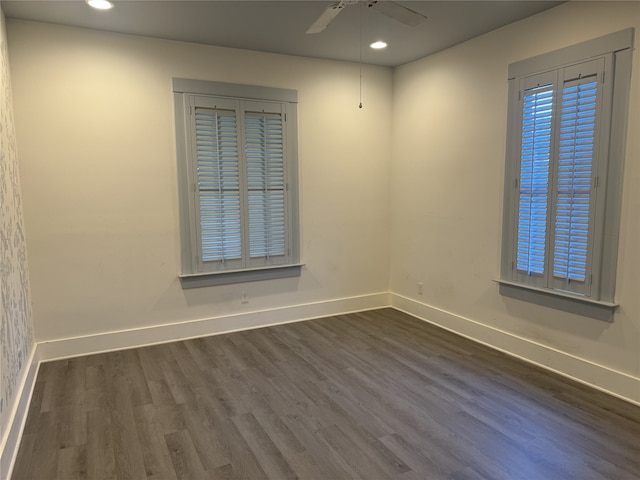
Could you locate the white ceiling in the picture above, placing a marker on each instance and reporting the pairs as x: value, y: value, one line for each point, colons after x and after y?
x: 279, y: 26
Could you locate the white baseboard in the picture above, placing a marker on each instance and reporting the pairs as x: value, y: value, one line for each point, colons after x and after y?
x: 602, y: 378
x: 137, y: 337
x: 10, y: 440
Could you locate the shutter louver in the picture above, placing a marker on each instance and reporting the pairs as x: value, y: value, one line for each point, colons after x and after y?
x: 266, y: 184
x: 534, y: 179
x: 576, y: 138
x: 218, y: 184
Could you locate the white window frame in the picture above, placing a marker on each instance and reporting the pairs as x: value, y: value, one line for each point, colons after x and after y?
x: 610, y: 57
x: 198, y: 267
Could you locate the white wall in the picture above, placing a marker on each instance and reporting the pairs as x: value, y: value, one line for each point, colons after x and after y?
x: 447, y: 187
x: 95, y: 122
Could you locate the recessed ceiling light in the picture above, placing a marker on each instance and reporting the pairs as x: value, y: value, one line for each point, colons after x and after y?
x: 100, y: 4
x: 378, y: 45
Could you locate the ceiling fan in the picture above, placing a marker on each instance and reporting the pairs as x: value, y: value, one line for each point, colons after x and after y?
x: 391, y: 9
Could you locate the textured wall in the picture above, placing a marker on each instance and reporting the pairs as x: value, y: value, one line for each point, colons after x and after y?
x: 16, y: 332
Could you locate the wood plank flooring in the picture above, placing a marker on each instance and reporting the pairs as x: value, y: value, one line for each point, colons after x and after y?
x: 374, y: 396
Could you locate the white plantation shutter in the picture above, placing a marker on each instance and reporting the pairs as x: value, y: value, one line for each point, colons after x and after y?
x: 537, y: 114
x: 558, y: 111
x: 239, y: 174
x: 573, y: 224
x: 554, y: 213
x: 266, y: 202
x: 555, y: 221
x: 218, y: 184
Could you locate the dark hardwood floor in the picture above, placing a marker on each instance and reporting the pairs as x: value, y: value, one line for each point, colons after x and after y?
x: 375, y: 396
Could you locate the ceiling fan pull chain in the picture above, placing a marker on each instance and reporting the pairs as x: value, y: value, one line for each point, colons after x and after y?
x: 360, y: 52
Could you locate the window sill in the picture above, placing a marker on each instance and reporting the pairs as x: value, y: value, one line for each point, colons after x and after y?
x: 209, y: 279
x: 587, y: 307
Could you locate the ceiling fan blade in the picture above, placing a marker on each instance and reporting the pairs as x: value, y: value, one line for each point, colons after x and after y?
x: 398, y: 12
x: 326, y: 17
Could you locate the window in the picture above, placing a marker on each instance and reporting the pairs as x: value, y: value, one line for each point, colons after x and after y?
x: 237, y: 159
x: 563, y: 176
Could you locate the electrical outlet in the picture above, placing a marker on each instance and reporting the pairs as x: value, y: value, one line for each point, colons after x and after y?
x: 244, y: 297
x: 420, y: 288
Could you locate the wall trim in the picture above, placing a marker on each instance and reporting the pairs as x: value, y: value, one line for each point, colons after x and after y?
x: 10, y: 440
x: 600, y: 377
x: 171, y: 332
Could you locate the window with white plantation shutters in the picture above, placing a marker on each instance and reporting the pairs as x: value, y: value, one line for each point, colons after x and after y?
x: 555, y: 178
x: 563, y: 172
x: 238, y: 190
